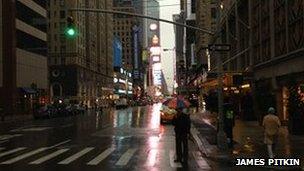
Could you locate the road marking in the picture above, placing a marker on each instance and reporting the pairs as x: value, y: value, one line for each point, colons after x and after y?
x: 172, y: 163
x: 76, y: 156
x: 151, y: 160
x: 202, y: 163
x: 58, y: 144
x: 124, y: 159
x: 1, y: 142
x: 101, y: 156
x: 7, y: 137
x: 31, y: 153
x: 48, y: 157
x: 18, y: 158
x: 11, y: 151
x: 31, y: 129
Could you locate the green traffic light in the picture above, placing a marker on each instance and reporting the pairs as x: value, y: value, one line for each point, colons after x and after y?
x: 71, y: 32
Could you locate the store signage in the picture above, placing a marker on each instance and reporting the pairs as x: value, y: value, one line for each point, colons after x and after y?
x: 219, y: 47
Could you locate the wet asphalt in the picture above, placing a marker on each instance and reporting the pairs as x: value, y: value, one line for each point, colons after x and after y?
x: 127, y: 139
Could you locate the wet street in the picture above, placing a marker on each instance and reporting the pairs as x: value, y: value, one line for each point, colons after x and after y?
x: 128, y: 139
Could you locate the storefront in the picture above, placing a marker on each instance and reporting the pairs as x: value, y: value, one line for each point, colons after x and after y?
x: 240, y: 95
x: 284, y: 83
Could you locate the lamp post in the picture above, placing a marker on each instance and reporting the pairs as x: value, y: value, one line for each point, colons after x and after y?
x: 221, y: 136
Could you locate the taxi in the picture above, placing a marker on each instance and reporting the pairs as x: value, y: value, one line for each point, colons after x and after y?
x: 166, y: 114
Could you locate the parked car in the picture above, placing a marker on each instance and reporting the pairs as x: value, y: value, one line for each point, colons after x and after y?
x: 78, y: 109
x: 45, y: 111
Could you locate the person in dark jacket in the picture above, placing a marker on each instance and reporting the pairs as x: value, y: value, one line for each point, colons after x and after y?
x: 229, y: 121
x: 182, y: 126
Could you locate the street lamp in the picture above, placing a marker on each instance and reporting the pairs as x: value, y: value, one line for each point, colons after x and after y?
x: 221, y: 136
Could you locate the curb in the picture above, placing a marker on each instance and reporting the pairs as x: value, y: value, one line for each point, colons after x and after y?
x: 207, y: 148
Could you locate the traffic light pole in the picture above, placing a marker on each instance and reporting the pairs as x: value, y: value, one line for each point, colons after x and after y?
x: 221, y: 136
x: 207, y: 31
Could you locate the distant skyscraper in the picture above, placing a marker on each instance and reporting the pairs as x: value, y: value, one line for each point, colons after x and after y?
x: 130, y: 30
x: 151, y: 8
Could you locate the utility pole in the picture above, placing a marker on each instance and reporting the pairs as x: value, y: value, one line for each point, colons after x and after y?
x: 221, y: 136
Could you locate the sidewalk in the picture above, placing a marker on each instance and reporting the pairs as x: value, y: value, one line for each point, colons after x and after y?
x: 248, y: 137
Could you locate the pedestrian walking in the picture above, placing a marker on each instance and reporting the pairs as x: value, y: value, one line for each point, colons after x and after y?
x: 182, y: 127
x: 229, y: 122
x: 271, y: 124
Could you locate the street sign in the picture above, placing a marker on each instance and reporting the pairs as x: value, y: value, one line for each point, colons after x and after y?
x: 219, y: 47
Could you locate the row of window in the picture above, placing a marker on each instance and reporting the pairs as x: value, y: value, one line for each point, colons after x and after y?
x: 31, y: 17
x: 62, y: 14
x: 122, y: 33
x: 55, y: 49
x: 58, y: 2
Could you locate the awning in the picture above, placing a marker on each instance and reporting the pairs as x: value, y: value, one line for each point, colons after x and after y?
x: 28, y: 90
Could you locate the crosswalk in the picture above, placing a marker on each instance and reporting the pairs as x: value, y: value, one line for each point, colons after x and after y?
x: 93, y: 156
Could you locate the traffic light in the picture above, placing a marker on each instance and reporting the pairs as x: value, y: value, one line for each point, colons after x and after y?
x: 70, y: 31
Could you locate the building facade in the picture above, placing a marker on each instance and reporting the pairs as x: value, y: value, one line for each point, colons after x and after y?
x: 151, y: 29
x: 81, y: 68
x: 130, y: 31
x: 151, y: 8
x: 23, y: 62
x: 205, y: 12
x: 179, y: 53
x: 267, y: 43
x: 122, y: 26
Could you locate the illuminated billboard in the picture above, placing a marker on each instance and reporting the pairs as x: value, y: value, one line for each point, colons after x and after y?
x: 157, y: 74
x: 156, y: 58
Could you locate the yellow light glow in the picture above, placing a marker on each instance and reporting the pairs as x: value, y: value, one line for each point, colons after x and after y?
x: 245, y: 86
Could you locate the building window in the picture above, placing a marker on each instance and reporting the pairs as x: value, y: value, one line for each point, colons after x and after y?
x: 62, y: 38
x: 62, y: 60
x: 213, y: 13
x: 61, y: 2
x: 62, y: 26
x: 55, y: 37
x: 63, y: 49
x: 62, y: 14
x: 55, y: 25
x: 55, y: 14
x: 193, y: 6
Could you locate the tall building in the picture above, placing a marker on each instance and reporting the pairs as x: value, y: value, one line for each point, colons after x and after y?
x: 123, y: 29
x: 151, y: 29
x: 205, y: 18
x: 266, y: 39
x: 81, y: 68
x: 179, y: 53
x: 129, y: 30
x: 23, y: 59
x: 152, y: 9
